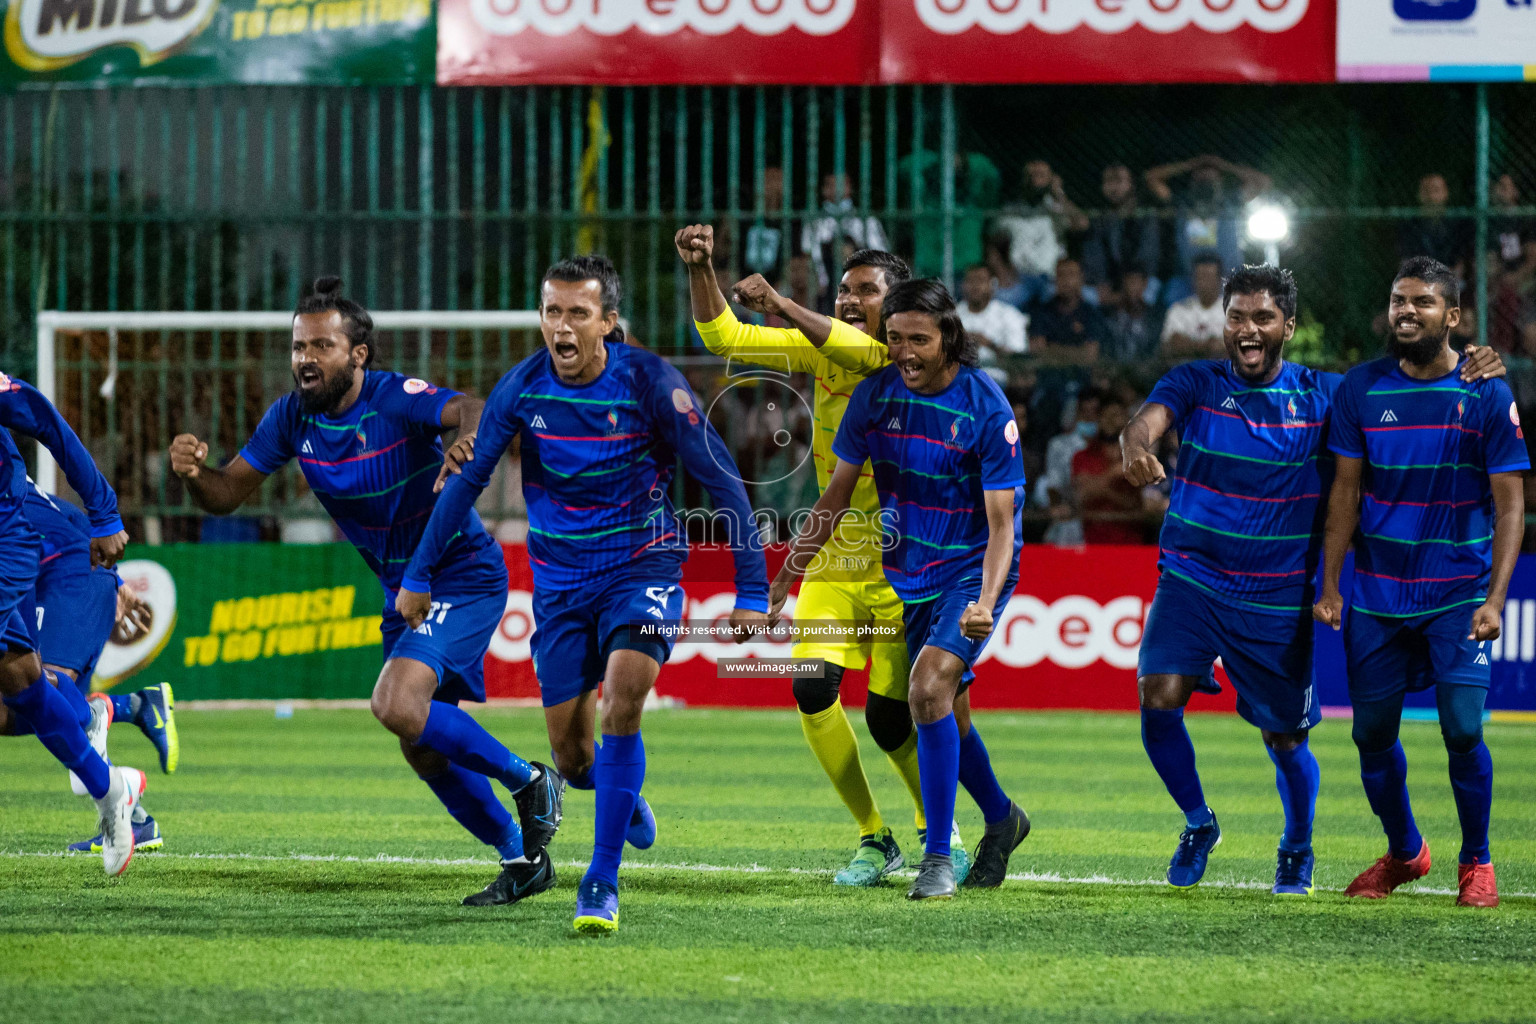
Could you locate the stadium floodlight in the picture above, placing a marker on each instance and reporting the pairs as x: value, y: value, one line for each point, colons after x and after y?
x: 51, y: 322
x: 1269, y: 225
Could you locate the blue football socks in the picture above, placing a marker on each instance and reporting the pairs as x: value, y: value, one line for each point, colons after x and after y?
x: 453, y: 732
x: 470, y: 799
x: 1472, y: 784
x: 938, y: 764
x: 977, y: 777
x: 619, y: 772
x: 1296, y: 777
x: 1385, y: 776
x: 1173, y: 756
x: 50, y: 716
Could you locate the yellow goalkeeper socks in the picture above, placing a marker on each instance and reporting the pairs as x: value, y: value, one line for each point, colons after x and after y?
x: 904, y: 759
x: 832, y: 741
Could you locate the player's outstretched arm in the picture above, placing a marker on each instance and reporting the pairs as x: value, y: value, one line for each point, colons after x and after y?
x: 1343, y: 517
x: 497, y: 423
x: 759, y: 296
x: 23, y: 408
x: 696, y: 247
x: 215, y: 490
x: 1508, y: 531
x: 814, y: 533
x: 462, y: 413
x: 976, y: 620
x: 1138, y: 441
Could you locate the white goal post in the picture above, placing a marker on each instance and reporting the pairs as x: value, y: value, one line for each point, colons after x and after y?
x: 51, y: 322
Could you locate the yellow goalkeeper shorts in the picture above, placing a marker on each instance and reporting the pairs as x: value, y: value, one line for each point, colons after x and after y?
x: 824, y: 610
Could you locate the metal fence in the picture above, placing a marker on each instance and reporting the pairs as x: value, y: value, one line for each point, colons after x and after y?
x: 234, y: 198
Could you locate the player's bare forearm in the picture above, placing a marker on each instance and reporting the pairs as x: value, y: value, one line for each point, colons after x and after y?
x: 212, y: 491
x: 1343, y: 517
x: 462, y: 413
x: 1140, y: 437
x: 999, y: 555
x: 1508, y: 532
x: 704, y: 293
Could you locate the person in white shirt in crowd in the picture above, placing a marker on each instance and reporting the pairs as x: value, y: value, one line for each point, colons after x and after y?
x: 1034, y: 226
x: 997, y: 329
x: 1193, y: 328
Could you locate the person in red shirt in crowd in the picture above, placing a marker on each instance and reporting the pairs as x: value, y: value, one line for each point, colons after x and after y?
x: 1111, y: 508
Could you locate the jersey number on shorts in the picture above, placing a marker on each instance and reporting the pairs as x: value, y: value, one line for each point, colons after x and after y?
x: 436, y: 613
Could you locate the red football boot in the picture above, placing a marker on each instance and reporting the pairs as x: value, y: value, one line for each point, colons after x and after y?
x: 1388, y: 873
x: 1477, y: 884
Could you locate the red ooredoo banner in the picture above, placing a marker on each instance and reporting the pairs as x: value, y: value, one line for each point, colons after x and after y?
x: 836, y: 42
x: 1068, y: 639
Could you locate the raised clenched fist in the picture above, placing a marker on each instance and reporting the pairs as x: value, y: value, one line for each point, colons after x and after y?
x: 187, y: 456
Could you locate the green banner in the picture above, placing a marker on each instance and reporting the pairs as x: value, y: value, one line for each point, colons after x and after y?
x: 251, y: 621
x: 213, y: 42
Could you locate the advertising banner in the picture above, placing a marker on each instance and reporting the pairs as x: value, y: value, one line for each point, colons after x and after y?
x: 252, y: 621
x: 1002, y: 41
x: 213, y: 42
x: 268, y: 621
x: 1068, y: 639
x: 792, y: 42
x: 1437, y: 41
x: 648, y: 42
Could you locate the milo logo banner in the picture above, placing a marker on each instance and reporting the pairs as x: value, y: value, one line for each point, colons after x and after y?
x: 251, y: 621
x: 324, y: 42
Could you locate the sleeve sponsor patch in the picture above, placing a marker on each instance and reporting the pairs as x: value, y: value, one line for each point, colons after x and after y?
x: 682, y: 401
x: 1011, y: 432
x: 1514, y: 413
x: 416, y: 386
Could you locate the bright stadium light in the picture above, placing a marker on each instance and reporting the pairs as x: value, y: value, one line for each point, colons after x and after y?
x: 1269, y: 225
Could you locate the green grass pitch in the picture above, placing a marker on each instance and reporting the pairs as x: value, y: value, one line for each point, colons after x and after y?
x: 307, y: 876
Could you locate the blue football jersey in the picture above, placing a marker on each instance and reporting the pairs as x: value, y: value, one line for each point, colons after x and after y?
x: 597, y: 465
x: 1248, y: 498
x: 1425, y: 542
x: 934, y: 457
x: 373, y: 468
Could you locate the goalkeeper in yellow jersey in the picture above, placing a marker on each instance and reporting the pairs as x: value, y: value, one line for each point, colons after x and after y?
x: 847, y: 587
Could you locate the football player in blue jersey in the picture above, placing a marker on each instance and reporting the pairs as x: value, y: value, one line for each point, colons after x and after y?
x: 36, y: 706
x: 941, y: 440
x: 1430, y: 470
x: 1239, y: 555
x: 368, y: 443
x: 77, y: 610
x: 602, y: 425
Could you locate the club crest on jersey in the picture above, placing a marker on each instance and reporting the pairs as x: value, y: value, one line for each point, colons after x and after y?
x: 682, y: 401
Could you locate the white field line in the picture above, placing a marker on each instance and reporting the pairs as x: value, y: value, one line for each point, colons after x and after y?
x: 704, y: 869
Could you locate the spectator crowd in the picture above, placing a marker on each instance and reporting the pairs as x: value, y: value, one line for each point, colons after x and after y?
x: 1074, y: 308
